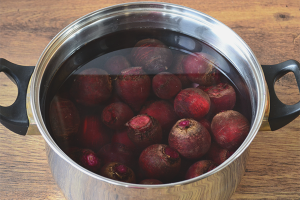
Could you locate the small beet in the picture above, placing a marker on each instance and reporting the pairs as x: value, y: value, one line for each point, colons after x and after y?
x: 93, y: 134
x: 192, y: 103
x: 133, y: 86
x: 166, y: 85
x: 230, y: 128
x: 201, y: 68
x: 218, y: 154
x: 122, y: 138
x: 144, y: 130
x: 191, y: 139
x: 150, y: 182
x: 199, y: 168
x: 222, y: 97
x: 64, y: 118
x: 164, y: 113
x: 178, y: 71
x: 116, y: 64
x: 116, y: 115
x: 119, y: 172
x: 160, y: 161
x: 91, y: 87
x: 152, y: 55
x: 116, y: 152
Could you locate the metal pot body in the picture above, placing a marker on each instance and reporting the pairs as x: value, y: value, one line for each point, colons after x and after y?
x: 79, y: 183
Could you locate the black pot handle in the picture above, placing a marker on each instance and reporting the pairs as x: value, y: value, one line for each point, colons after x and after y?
x: 280, y: 113
x: 14, y: 117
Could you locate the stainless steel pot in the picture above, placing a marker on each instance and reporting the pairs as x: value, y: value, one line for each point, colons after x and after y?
x: 268, y: 113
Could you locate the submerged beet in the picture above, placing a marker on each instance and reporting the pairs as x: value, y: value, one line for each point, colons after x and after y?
x: 179, y: 72
x: 116, y: 64
x: 190, y: 138
x: 152, y: 55
x: 91, y: 87
x: 133, y: 86
x: 144, y: 130
x: 118, y: 171
x: 160, y: 161
x: 122, y: 138
x: 199, y: 168
x: 230, y: 128
x: 150, y: 182
x: 166, y: 85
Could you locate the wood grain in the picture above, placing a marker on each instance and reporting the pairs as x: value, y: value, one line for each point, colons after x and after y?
x: 271, y: 28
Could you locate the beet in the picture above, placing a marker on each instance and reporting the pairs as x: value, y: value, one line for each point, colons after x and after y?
x: 116, y: 64
x: 222, y: 97
x: 201, y: 68
x: 116, y: 152
x: 152, y: 55
x: 91, y: 87
x: 179, y: 72
x: 144, y: 130
x: 133, y: 86
x: 205, y: 123
x: 164, y: 113
x: 230, y: 128
x: 166, y: 85
x: 150, y: 182
x: 160, y: 161
x: 218, y: 154
x: 64, y: 118
x: 190, y: 138
x: 192, y: 103
x: 116, y: 115
x: 119, y: 172
x: 93, y: 134
x: 122, y: 138
x: 199, y: 168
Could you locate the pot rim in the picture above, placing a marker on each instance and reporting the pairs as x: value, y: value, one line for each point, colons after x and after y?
x: 68, y: 31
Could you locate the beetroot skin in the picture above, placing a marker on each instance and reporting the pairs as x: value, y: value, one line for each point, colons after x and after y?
x: 93, y: 134
x: 178, y: 71
x: 115, y: 115
x: 152, y: 55
x: 91, y: 87
x: 200, y: 68
x: 144, y: 130
x: 119, y: 172
x: 230, y: 128
x: 160, y: 161
x: 199, y: 168
x: 133, y: 86
x: 192, y: 103
x: 122, y: 138
x: 116, y: 64
x: 218, y: 154
x: 64, y: 118
x: 166, y: 85
x: 190, y: 138
x: 222, y: 97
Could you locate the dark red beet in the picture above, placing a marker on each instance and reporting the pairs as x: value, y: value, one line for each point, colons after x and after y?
x: 190, y: 138
x: 64, y: 118
x: 199, y: 168
x: 166, y: 85
x: 86, y: 158
x: 200, y: 68
x: 192, y: 103
x: 116, y: 64
x: 91, y: 87
x: 121, y: 137
x: 151, y: 182
x: 115, y: 152
x: 116, y: 115
x: 222, y: 97
x: 160, y: 161
x: 118, y: 171
x: 205, y: 123
x: 218, y: 154
x: 164, y: 113
x: 93, y: 134
x: 152, y: 55
x: 230, y: 128
x: 133, y: 86
x: 144, y: 130
x: 178, y: 71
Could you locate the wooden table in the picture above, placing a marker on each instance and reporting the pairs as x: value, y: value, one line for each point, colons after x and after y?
x: 270, y: 28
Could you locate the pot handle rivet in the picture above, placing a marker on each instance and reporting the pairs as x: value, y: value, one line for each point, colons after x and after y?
x: 14, y: 117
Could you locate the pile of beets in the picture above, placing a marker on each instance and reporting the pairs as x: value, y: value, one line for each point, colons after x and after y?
x: 153, y: 118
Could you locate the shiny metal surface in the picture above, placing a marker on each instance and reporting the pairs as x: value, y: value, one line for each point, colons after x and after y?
x: 79, y: 183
